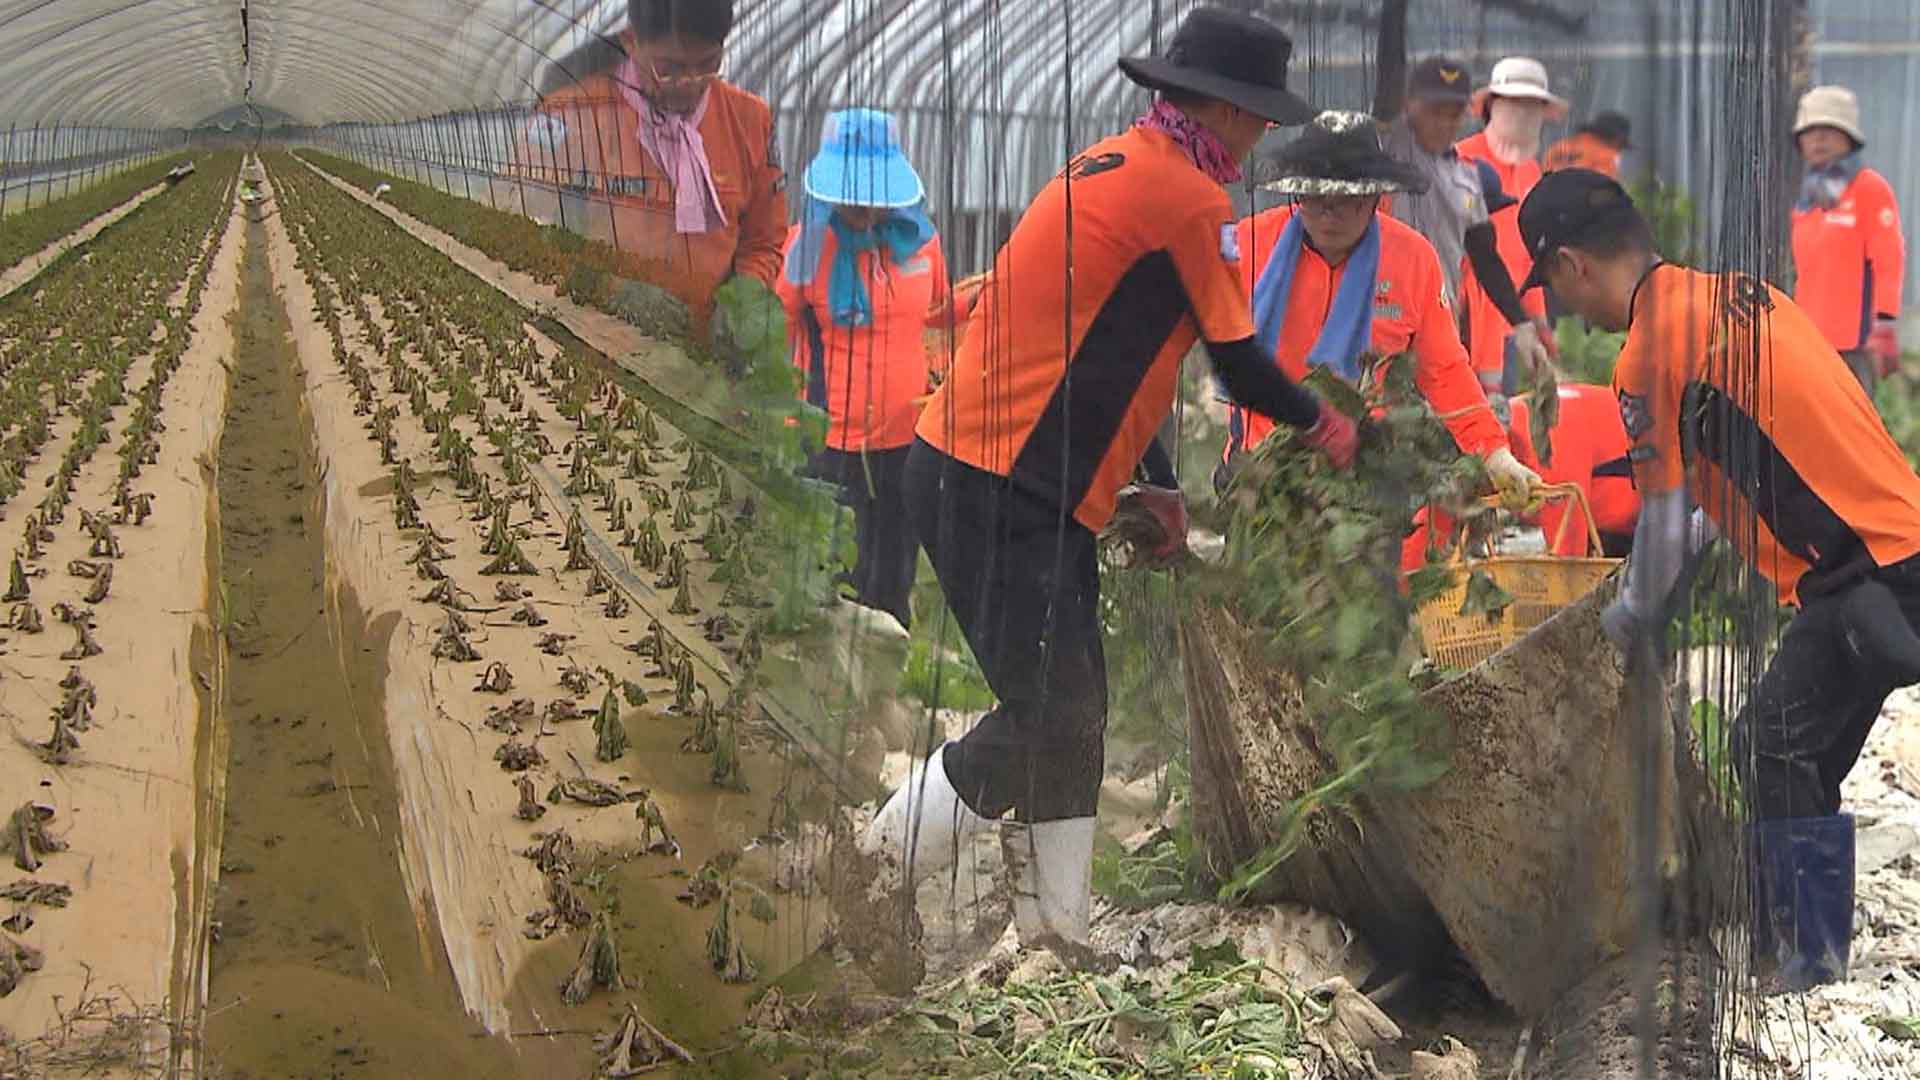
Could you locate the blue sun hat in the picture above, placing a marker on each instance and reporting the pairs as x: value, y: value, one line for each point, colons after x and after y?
x: 861, y: 164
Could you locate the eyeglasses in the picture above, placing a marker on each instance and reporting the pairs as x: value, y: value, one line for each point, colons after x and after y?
x: 681, y: 71
x: 1336, y: 205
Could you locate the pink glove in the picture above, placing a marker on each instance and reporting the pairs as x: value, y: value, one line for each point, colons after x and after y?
x: 1166, y: 508
x: 1334, y: 435
x: 1883, y: 344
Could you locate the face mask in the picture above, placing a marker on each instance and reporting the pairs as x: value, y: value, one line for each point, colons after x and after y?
x: 1514, y: 128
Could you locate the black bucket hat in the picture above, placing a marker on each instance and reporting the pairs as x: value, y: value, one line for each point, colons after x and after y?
x: 1338, y: 154
x: 1235, y: 58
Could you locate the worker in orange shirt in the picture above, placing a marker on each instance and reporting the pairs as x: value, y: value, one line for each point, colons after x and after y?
x: 1331, y: 280
x: 1849, y: 255
x: 1038, y: 431
x: 672, y: 165
x: 863, y: 269
x: 1815, y: 496
x: 1515, y: 105
x: 1596, y: 144
x: 1589, y: 448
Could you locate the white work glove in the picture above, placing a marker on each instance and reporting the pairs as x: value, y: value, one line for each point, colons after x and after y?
x: 1533, y: 346
x: 1515, y: 482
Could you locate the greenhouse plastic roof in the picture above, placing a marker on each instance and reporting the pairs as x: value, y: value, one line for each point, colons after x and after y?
x: 178, y: 63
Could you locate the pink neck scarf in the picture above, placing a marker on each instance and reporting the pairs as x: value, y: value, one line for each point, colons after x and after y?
x: 1205, y: 149
x: 674, y: 141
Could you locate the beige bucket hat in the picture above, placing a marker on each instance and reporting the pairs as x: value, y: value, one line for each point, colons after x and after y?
x: 1830, y: 106
x: 1520, y: 77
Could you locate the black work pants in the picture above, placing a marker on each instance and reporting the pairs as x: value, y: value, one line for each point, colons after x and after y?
x: 1022, y: 578
x: 1810, y: 714
x: 873, y: 485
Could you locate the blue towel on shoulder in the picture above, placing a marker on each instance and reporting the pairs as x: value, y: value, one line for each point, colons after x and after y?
x: 1349, y: 328
x: 902, y: 233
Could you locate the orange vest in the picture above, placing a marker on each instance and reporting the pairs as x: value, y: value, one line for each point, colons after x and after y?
x: 583, y: 143
x: 1487, y: 329
x: 1584, y: 150
x: 867, y: 378
x: 1409, y: 313
x: 1851, y: 260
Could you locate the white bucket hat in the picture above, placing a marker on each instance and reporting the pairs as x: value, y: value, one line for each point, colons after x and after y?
x: 1830, y: 106
x: 1520, y: 77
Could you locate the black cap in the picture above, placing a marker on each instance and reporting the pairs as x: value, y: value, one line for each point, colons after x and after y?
x: 1566, y: 207
x: 1613, y: 127
x: 1235, y: 58
x: 1440, y: 78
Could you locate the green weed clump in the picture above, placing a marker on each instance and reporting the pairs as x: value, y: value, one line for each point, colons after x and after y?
x: 1222, y: 1015
x: 1311, y: 566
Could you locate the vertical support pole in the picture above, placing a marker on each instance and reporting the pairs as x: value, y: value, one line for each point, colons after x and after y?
x: 33, y: 162
x: 513, y: 159
x: 6, y: 173
x: 613, y: 226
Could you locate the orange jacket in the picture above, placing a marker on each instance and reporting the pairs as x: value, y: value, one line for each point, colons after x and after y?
x: 1851, y: 260
x: 1584, y: 150
x: 1831, y: 490
x: 867, y: 378
x: 1487, y: 329
x: 583, y: 142
x: 1409, y: 312
x: 1152, y: 275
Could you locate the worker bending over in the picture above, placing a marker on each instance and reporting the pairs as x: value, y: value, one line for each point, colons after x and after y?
x: 863, y: 269
x: 1053, y: 399
x: 1332, y: 281
x: 1736, y: 402
x: 1849, y: 256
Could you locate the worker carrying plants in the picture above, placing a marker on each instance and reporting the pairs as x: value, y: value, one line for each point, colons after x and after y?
x: 1596, y: 144
x: 680, y: 169
x: 1588, y: 449
x: 1451, y: 209
x: 1815, y: 496
x: 1024, y: 451
x: 1849, y: 256
x: 1332, y: 281
x: 1515, y: 105
x: 863, y: 269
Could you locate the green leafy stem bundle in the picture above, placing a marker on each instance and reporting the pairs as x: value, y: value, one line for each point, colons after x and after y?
x: 1310, y: 567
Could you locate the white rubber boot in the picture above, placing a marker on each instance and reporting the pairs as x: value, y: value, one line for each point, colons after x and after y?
x: 923, y: 826
x: 1051, y: 866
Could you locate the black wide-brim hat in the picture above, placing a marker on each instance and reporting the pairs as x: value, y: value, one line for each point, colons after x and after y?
x: 1235, y: 58
x: 1338, y: 154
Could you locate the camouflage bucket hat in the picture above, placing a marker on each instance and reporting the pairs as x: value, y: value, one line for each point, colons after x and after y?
x: 1338, y: 154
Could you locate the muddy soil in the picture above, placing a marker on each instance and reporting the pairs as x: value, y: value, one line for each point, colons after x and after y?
x: 318, y: 967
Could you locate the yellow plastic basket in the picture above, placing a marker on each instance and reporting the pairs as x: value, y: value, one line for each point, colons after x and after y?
x: 1540, y: 585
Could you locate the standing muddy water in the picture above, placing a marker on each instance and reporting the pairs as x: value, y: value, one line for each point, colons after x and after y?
x: 319, y: 967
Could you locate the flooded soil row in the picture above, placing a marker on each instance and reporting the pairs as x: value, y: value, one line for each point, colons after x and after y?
x: 318, y: 965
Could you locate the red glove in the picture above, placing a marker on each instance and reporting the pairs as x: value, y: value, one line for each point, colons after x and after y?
x: 1334, y: 435
x: 1166, y: 508
x: 1883, y: 344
